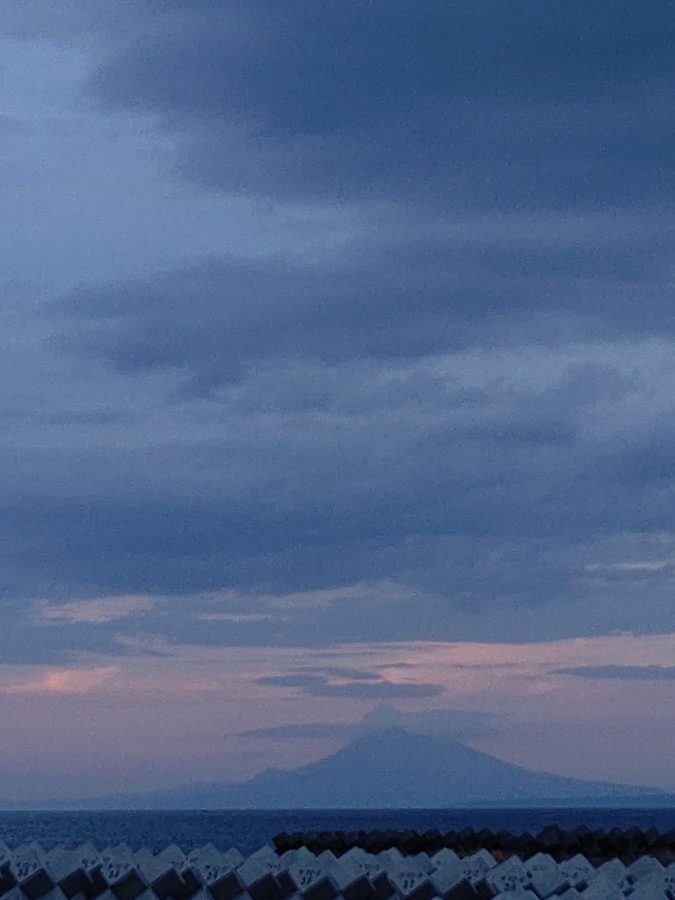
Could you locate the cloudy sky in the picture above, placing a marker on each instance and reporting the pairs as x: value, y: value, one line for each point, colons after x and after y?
x: 337, y: 368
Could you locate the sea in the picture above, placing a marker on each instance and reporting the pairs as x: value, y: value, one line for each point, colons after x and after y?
x: 249, y: 830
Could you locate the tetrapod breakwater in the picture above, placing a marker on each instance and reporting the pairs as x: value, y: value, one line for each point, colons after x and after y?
x: 597, y: 845
x: 355, y: 866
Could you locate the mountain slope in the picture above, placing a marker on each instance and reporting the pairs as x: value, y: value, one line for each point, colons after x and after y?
x: 400, y: 768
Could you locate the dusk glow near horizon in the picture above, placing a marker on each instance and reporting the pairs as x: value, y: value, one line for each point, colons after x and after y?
x: 338, y: 382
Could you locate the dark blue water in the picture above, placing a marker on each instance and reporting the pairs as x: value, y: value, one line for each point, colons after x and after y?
x: 248, y: 830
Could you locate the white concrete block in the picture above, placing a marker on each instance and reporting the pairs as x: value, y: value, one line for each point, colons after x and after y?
x: 540, y: 862
x: 371, y: 866
x: 27, y: 857
x: 645, y: 890
x: 178, y: 859
x: 302, y: 857
x: 87, y: 855
x: 352, y: 885
x: 545, y: 878
x: 410, y: 864
x: 144, y: 858
x: 305, y: 876
x: 652, y: 881
x: 669, y: 877
x: 346, y: 873
x: 327, y: 860
x: 510, y: 875
x: 312, y: 882
x: 614, y: 872
x: 67, y: 871
x: 517, y: 894
x: 443, y: 857
x: 61, y: 862
x: 209, y: 864
x: 478, y: 865
x: 207, y: 851
x: 226, y: 887
x: 174, y: 855
x: 253, y: 870
x: 547, y: 882
x: 260, y: 862
x: 601, y: 889
x: 234, y: 857
x: 29, y: 867
x: 119, y: 870
x: 355, y: 853
x: 447, y: 873
x: 390, y: 857
x: 119, y: 853
x: 258, y: 881
x: 422, y: 861
x: 216, y: 872
x: 644, y: 867
x: 160, y: 874
x: 578, y: 870
x: 409, y: 881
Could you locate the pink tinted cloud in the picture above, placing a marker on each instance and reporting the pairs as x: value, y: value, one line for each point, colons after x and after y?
x: 75, y: 680
x: 177, y: 707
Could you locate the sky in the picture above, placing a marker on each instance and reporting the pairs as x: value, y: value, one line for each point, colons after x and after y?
x: 337, y: 369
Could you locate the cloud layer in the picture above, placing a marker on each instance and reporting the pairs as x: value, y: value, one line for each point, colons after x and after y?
x: 330, y: 325
x: 518, y: 106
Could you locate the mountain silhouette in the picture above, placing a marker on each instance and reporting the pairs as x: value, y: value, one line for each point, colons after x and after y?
x: 400, y: 768
x: 395, y: 768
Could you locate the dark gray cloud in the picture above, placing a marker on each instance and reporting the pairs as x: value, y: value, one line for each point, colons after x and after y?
x: 495, y: 106
x: 25, y: 642
x: 446, y: 393
x: 72, y: 19
x: 403, y: 298
x: 623, y: 673
x: 483, y: 502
